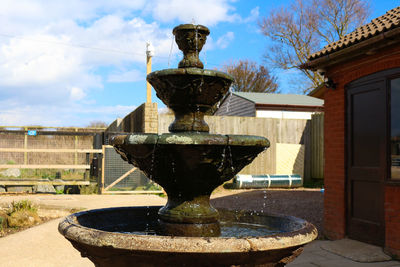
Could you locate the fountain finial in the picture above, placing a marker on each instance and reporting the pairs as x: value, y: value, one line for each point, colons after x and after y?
x: 190, y: 39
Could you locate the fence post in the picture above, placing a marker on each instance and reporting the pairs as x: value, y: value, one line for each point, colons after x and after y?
x: 26, y: 146
x: 76, y: 147
x: 101, y: 185
x: 317, y: 139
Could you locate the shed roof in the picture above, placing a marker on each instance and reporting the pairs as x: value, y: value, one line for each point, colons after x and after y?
x: 387, y: 22
x: 281, y: 99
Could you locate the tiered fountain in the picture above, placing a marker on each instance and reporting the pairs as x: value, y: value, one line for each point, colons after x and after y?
x: 189, y: 163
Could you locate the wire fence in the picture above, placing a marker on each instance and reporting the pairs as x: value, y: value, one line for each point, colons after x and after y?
x: 46, y: 152
x: 115, y: 168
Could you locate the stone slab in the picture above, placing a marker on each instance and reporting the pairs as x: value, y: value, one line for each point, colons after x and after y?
x: 19, y: 189
x: 12, y: 172
x: 356, y: 251
x: 44, y: 188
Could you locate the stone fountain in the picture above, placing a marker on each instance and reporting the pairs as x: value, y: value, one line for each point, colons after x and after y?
x: 189, y: 163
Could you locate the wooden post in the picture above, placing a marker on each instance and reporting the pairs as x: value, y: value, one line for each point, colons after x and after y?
x: 76, y: 147
x: 26, y: 146
x: 149, y: 55
x: 102, y: 169
x: 148, y: 95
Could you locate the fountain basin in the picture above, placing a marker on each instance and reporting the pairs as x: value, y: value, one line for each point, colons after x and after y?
x: 101, y: 235
x: 189, y: 166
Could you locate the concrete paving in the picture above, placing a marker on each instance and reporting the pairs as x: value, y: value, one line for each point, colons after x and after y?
x: 43, y: 246
x: 313, y: 255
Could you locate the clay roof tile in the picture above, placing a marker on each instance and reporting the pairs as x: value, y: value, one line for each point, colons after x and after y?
x: 377, y: 26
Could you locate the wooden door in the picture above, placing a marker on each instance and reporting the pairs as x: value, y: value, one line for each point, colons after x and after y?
x: 366, y: 160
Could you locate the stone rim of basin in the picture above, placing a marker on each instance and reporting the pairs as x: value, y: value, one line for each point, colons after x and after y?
x: 188, y: 71
x: 72, y: 230
x: 189, y: 139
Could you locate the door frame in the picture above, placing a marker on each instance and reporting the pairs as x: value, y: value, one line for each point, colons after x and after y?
x: 383, y: 77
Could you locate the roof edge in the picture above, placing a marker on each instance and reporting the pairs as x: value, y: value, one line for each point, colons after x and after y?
x: 290, y: 106
x: 367, y: 46
x: 235, y: 93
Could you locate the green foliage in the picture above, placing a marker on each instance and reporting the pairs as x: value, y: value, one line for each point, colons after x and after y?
x: 10, y: 162
x: 161, y: 195
x: 59, y: 192
x: 51, y: 174
x: 89, y: 189
x: 3, y: 221
x: 22, y: 205
x: 152, y: 186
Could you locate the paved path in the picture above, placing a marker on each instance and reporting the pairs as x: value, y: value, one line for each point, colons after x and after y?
x: 43, y: 246
x: 314, y: 256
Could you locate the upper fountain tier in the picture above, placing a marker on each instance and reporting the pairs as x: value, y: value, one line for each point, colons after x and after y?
x: 190, y: 39
x: 190, y: 91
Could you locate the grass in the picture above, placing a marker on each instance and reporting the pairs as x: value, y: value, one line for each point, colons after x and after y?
x: 147, y: 187
x: 89, y: 189
x: 50, y: 174
x: 59, y: 192
x: 22, y: 205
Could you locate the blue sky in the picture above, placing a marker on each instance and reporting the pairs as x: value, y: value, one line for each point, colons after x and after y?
x: 71, y: 64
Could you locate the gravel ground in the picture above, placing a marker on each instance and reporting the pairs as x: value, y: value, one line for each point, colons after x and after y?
x: 303, y: 203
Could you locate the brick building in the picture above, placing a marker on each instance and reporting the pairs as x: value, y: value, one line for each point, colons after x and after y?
x: 362, y: 133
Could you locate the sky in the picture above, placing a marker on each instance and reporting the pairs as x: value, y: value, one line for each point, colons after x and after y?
x: 70, y: 63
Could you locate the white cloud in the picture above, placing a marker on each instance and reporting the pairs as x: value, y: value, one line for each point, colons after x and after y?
x: 254, y: 15
x: 225, y: 40
x: 53, y: 54
x: 66, y: 115
x: 44, y: 66
x: 207, y: 12
x: 77, y: 93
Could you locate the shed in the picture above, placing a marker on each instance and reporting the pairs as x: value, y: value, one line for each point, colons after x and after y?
x: 362, y: 133
x: 268, y: 105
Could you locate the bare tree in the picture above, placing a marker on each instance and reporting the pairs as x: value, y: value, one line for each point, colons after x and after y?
x: 97, y: 124
x: 251, y: 77
x: 305, y: 27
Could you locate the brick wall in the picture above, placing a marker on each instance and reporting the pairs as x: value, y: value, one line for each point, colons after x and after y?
x: 143, y: 119
x: 150, y: 118
x: 335, y: 121
x: 334, y: 211
x: 392, y: 219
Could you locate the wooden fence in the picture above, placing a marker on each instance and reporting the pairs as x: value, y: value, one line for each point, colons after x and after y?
x: 317, y: 146
x: 46, y: 152
x: 289, y: 131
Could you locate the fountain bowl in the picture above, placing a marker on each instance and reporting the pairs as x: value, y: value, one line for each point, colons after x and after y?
x: 190, y: 93
x: 190, y: 87
x: 117, y: 237
x: 189, y: 166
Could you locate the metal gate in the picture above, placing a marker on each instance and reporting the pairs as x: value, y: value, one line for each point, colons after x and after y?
x: 118, y: 176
